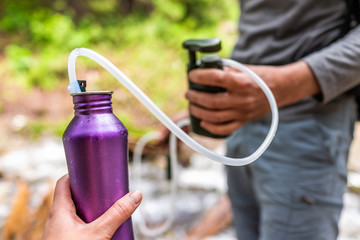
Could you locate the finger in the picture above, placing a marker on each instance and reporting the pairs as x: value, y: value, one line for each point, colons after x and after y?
x: 222, y: 129
x: 213, y: 116
x: 217, y: 101
x: 210, y: 100
x: 231, y: 69
x: 211, y: 77
x: 62, y: 195
x: 220, y: 78
x: 117, y: 214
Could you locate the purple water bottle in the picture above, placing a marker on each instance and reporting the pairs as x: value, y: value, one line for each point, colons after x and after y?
x: 96, y: 149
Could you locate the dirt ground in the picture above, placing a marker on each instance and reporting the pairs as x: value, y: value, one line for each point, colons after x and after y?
x: 20, y: 108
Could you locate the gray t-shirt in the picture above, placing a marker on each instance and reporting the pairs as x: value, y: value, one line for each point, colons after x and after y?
x: 275, y: 32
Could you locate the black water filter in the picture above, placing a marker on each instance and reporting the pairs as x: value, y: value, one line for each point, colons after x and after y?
x: 210, y: 45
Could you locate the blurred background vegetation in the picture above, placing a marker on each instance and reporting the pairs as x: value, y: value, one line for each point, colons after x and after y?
x: 142, y: 38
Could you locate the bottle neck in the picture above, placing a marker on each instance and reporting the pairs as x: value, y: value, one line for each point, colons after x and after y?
x: 92, y: 103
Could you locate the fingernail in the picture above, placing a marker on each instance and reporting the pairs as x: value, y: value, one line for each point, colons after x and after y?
x: 187, y: 95
x: 192, y: 74
x: 135, y: 197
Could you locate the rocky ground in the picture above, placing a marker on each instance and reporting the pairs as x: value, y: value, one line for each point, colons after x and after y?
x: 200, y: 186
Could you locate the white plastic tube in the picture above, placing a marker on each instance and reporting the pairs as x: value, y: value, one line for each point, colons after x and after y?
x: 164, y: 119
x: 144, y: 229
x: 137, y: 179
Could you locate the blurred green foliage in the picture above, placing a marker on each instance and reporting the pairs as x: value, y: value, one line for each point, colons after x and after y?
x: 142, y: 37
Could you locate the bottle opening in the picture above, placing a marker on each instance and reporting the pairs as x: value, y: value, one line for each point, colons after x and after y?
x: 92, y: 92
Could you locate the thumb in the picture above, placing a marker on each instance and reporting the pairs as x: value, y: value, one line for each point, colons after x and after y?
x: 118, y: 213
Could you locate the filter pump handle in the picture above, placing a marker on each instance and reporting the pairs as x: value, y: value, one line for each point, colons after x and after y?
x: 209, y: 45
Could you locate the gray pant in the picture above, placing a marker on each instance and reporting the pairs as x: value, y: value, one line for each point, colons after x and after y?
x: 294, y: 191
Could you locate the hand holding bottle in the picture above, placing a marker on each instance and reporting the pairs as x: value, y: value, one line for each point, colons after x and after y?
x: 64, y: 224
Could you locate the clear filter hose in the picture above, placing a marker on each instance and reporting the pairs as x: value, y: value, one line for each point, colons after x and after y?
x: 164, y: 119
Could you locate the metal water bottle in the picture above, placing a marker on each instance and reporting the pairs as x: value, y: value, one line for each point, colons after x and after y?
x: 96, y: 148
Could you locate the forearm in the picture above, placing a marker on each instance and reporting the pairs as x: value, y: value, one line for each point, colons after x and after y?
x: 289, y: 83
x: 294, y: 82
